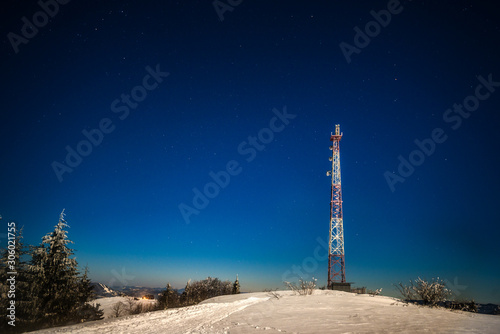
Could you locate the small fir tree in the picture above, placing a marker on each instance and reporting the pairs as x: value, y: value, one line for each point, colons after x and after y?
x: 169, y: 298
x: 185, y: 298
x: 236, y: 286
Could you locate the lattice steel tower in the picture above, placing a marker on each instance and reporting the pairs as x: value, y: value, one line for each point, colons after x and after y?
x: 336, y: 259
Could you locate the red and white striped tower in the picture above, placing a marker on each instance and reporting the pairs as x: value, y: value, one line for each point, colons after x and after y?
x: 336, y: 259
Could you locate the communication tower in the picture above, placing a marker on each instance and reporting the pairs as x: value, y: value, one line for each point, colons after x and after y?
x: 336, y: 258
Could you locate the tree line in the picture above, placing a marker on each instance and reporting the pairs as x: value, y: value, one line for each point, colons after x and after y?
x: 196, y: 292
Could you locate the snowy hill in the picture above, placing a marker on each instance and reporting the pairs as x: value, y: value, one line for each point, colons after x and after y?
x: 322, y: 312
x: 102, y: 290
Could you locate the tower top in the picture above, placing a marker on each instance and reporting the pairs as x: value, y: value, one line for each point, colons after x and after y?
x: 338, y: 135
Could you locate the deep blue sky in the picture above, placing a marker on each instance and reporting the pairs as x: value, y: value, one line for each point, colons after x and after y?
x: 225, y: 78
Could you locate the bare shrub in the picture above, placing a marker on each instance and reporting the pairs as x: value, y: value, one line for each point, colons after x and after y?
x: 406, y: 291
x: 117, y: 310
x: 431, y: 293
x: 304, y: 287
x: 133, y: 307
x: 148, y: 307
x: 273, y: 293
x: 375, y: 293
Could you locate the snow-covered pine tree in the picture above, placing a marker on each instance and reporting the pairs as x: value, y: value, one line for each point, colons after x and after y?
x: 168, y: 296
x: 58, y: 290
x: 168, y: 299
x: 162, y: 299
x: 236, y: 286
x: 35, y: 274
x: 186, y: 297
x: 55, y: 271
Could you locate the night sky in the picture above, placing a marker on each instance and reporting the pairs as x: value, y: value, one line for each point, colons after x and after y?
x: 122, y: 111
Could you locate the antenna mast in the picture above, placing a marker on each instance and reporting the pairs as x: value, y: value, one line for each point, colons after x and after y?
x: 336, y: 259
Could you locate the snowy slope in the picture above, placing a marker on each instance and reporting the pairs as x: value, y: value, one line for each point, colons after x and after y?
x: 102, y: 290
x: 323, y: 312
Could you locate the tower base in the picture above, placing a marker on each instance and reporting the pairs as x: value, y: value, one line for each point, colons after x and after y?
x: 340, y: 286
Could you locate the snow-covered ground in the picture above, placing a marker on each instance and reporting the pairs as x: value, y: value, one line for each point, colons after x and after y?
x: 106, y: 303
x: 322, y: 312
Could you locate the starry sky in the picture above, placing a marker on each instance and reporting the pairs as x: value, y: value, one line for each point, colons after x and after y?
x: 187, y: 139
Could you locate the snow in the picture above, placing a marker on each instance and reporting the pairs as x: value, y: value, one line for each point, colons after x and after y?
x: 106, y: 304
x: 102, y: 290
x: 105, y: 288
x: 322, y: 312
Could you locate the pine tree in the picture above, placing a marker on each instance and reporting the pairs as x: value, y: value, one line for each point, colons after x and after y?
x: 86, y: 311
x: 168, y: 299
x: 161, y: 303
x: 56, y: 270
x: 172, y: 297
x: 36, y: 276
x: 236, y: 286
x: 168, y: 293
x: 59, y: 293
x: 186, y: 297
